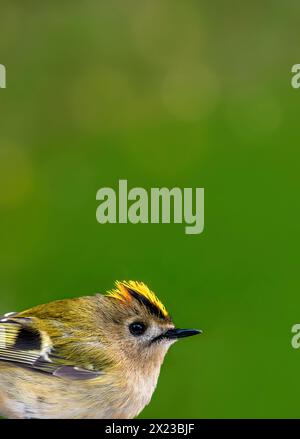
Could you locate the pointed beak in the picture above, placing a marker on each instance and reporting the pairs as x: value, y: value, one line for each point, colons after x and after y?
x: 174, y: 334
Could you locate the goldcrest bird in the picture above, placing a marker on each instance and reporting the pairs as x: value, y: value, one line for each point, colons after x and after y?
x: 89, y: 357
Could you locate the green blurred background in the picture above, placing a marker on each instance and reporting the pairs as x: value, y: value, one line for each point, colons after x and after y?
x: 162, y: 93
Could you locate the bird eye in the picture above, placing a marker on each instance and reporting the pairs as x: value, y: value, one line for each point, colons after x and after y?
x: 137, y: 328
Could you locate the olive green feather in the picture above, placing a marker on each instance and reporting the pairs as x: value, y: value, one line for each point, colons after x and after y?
x: 58, y: 338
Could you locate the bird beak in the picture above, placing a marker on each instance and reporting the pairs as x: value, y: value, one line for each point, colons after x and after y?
x: 174, y: 334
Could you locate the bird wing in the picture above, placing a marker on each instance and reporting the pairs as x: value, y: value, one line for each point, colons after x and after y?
x: 23, y: 344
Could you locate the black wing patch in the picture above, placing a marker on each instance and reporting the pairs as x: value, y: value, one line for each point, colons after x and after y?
x: 28, y: 340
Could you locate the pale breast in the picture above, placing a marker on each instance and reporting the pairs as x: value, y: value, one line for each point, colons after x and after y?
x: 28, y: 394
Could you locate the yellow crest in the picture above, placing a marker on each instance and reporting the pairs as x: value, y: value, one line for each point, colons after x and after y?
x: 126, y: 291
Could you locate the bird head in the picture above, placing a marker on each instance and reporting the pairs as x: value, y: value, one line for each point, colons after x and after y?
x: 137, y: 326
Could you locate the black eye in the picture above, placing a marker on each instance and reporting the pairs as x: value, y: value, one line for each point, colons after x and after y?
x: 137, y: 328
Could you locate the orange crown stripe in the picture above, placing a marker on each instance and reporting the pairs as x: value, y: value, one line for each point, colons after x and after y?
x: 121, y: 293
